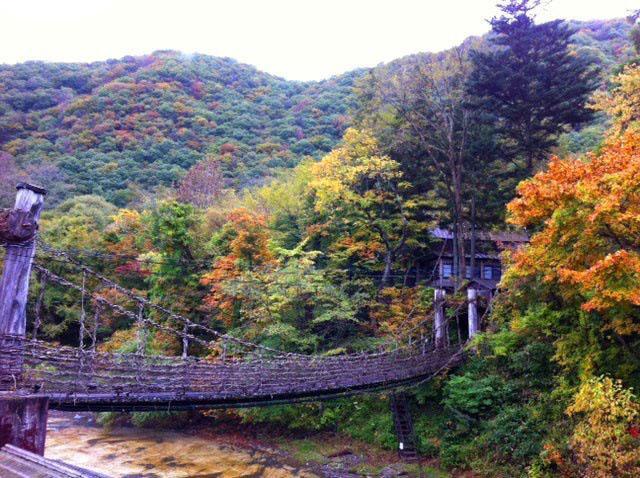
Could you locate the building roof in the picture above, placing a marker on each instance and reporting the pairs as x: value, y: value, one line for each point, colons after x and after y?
x: 497, y: 236
x: 479, y: 255
x: 18, y: 463
x: 486, y: 284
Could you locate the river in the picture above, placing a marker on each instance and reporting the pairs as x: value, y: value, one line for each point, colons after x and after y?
x: 146, y: 453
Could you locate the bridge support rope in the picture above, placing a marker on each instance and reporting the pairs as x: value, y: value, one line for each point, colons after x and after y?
x: 236, y: 373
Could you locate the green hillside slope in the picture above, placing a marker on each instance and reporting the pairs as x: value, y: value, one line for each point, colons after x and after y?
x: 147, y: 119
x: 113, y: 127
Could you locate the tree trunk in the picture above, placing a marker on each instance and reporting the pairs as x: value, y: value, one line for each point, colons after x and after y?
x: 455, y: 266
x: 388, y: 265
x: 461, y: 253
x: 458, y: 227
x: 472, y: 252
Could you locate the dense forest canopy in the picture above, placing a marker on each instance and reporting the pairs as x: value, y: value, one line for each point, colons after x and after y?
x: 120, y: 127
x: 146, y: 120
x: 300, y: 216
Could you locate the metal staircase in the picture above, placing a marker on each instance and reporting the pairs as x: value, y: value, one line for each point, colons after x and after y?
x: 401, y: 411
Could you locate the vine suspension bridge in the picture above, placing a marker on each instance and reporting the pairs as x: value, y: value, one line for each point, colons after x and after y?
x: 230, y: 372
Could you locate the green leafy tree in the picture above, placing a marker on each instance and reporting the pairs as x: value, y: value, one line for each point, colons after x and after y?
x: 422, y: 115
x: 294, y: 306
x: 175, y: 268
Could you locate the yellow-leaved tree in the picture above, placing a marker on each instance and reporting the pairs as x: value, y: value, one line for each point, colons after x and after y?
x: 605, y: 442
x: 360, y: 187
x: 622, y: 102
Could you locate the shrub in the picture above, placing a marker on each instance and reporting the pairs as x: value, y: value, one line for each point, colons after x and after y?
x: 162, y: 420
x: 605, y: 441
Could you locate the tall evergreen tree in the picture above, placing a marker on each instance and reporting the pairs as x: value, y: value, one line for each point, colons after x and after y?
x: 420, y: 112
x: 530, y: 82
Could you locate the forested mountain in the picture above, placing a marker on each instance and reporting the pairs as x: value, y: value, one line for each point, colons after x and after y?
x: 111, y: 128
x: 533, y: 127
x: 145, y: 120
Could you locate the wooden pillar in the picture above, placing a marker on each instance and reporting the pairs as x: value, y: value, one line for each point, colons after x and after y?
x: 23, y: 422
x: 472, y: 299
x: 18, y: 228
x: 439, y: 320
x: 14, y: 284
x: 23, y: 419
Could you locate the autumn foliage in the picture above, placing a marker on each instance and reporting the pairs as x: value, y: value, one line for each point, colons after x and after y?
x: 204, y: 205
x: 622, y: 103
x: 577, y: 287
x: 247, y: 248
x: 586, y: 212
x: 603, y: 443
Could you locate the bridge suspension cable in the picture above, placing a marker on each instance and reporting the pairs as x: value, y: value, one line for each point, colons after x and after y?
x: 83, y: 378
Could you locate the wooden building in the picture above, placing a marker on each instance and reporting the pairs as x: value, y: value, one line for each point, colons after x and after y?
x: 487, y: 270
x: 482, y: 273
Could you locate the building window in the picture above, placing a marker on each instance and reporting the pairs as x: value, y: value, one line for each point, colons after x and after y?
x: 447, y: 270
x: 487, y: 272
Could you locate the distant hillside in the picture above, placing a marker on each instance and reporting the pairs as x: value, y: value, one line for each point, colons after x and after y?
x: 111, y: 127
x: 605, y: 41
x: 147, y: 119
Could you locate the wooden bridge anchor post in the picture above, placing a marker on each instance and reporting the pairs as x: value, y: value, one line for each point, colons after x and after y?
x: 23, y: 419
x: 14, y: 285
x: 17, y: 230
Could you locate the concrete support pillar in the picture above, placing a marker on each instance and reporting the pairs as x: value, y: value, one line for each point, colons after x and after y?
x: 472, y: 298
x: 23, y: 422
x: 440, y: 323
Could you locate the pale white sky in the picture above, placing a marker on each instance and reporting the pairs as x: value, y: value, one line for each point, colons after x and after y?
x: 296, y: 39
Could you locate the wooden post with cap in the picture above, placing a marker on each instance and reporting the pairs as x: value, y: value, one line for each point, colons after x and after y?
x: 23, y: 418
x: 440, y: 323
x: 18, y: 228
x: 18, y: 233
x: 472, y: 316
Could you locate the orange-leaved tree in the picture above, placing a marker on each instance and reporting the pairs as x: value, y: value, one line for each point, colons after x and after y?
x: 587, y: 213
x: 585, y: 253
x: 242, y: 246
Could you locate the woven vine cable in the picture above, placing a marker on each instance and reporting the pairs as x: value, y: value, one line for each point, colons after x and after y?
x: 74, y: 373
x: 189, y: 324
x: 147, y: 321
x: 116, y: 376
x: 117, y: 308
x: 39, y: 303
x: 172, y: 315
